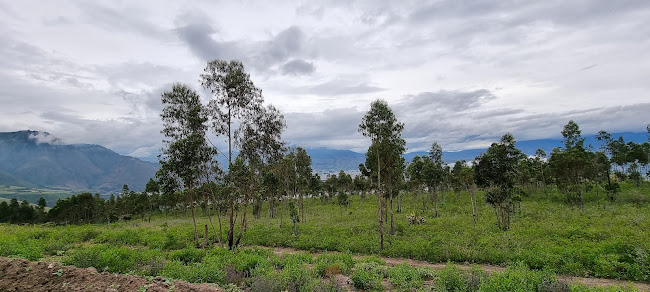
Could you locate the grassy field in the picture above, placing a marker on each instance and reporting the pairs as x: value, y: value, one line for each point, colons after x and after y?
x: 33, y: 194
x: 601, y: 240
x: 547, y: 237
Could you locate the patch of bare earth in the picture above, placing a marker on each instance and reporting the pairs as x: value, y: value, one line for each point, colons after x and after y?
x: 593, y: 282
x: 23, y: 275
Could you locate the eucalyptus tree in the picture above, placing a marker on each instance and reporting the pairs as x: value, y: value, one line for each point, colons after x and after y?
x: 496, y: 171
x: 381, y: 126
x: 414, y: 174
x: 433, y: 172
x: 260, y: 145
x: 238, y: 114
x: 463, y: 178
x: 303, y: 171
x: 570, y: 164
x: 186, y: 148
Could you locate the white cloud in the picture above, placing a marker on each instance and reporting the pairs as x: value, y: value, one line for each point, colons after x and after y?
x: 461, y: 73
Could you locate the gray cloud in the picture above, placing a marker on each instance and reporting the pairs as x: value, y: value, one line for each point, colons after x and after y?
x: 297, y: 67
x: 112, y: 19
x: 330, y: 128
x: 198, y: 36
x: 444, y: 101
x: 336, y: 87
x: 57, y: 75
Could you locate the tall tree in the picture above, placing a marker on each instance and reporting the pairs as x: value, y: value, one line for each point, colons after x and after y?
x: 434, y: 173
x: 304, y: 176
x: 570, y: 164
x: 184, y: 120
x: 238, y: 114
x: 381, y: 126
x: 496, y: 171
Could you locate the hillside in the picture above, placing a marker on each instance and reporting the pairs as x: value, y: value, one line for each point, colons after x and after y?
x: 37, y: 159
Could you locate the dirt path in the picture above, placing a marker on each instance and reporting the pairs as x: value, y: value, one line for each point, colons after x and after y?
x: 23, y: 275
x: 593, y: 282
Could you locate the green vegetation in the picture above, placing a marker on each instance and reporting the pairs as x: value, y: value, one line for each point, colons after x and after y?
x: 545, y: 235
x: 571, y: 214
x: 32, y: 195
x: 143, y: 249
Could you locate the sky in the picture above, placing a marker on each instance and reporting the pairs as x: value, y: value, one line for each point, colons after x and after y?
x: 461, y: 73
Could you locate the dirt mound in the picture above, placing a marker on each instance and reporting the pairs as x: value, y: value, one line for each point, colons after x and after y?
x: 23, y: 275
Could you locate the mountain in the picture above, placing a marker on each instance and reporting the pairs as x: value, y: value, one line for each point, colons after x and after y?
x: 326, y: 161
x: 38, y: 159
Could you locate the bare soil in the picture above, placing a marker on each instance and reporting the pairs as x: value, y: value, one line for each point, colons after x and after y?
x: 593, y: 282
x: 23, y: 275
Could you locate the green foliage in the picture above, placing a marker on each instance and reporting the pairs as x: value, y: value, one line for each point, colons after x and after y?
x: 451, y: 279
x: 406, y: 278
x: 297, y: 277
x: 116, y: 259
x: 333, y: 263
x: 368, y: 276
x: 519, y: 278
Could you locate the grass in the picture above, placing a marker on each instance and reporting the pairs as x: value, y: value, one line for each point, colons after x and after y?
x: 547, y: 237
x: 601, y: 240
x: 32, y: 195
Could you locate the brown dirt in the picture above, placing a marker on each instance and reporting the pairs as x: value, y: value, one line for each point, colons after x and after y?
x: 23, y: 275
x: 593, y: 282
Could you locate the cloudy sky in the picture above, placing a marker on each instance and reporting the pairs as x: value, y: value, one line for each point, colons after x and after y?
x: 462, y: 73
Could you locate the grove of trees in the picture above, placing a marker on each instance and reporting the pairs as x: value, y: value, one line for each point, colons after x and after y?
x: 261, y: 169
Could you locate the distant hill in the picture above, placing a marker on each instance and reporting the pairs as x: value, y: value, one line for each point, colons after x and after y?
x: 37, y: 159
x: 332, y: 161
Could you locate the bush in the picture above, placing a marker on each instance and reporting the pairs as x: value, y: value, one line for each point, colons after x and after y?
x: 368, y: 277
x: 328, y: 264
x: 297, y: 278
x: 405, y: 277
x: 519, y: 278
x: 188, y: 255
x: 451, y: 278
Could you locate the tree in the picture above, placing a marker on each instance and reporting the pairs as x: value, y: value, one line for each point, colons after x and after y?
x: 570, y: 164
x: 237, y: 113
x: 496, y: 170
x: 186, y: 150
x: 385, y: 132
x: 304, y: 176
x: 464, y: 179
x: 433, y: 173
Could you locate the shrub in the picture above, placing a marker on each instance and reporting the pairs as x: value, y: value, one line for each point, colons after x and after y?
x: 451, y: 278
x: 366, y: 279
x: 297, y: 278
x: 405, y: 277
x: 333, y: 263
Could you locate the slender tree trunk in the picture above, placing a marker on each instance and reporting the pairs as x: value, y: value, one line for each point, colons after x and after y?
x: 243, y: 222
x: 231, y: 227
x: 302, y: 207
x: 212, y: 224
x: 472, y: 196
x: 381, y: 217
x: 435, y: 202
x: 390, y: 195
x: 196, y: 234
x: 206, y: 237
x: 220, y: 230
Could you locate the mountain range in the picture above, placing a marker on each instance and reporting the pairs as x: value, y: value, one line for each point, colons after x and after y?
x: 38, y: 159
x: 327, y: 161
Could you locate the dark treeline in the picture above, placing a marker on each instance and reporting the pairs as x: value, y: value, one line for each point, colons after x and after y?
x: 24, y: 212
